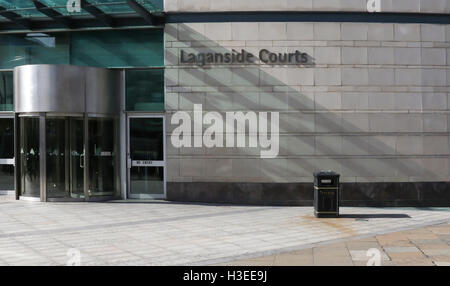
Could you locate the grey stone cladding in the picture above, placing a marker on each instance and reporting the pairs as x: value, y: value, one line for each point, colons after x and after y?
x: 372, y: 103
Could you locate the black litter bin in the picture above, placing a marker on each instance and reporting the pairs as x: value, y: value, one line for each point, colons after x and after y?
x: 326, y: 194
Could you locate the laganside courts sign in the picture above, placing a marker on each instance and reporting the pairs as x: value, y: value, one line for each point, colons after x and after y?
x: 242, y: 57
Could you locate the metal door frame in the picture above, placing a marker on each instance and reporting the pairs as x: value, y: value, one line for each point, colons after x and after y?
x: 42, y: 159
x: 128, y: 159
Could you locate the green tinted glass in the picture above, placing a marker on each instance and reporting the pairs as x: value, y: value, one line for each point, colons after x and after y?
x: 61, y: 7
x: 118, y: 48
x: 107, y: 6
x: 24, y: 8
x: 33, y: 48
x: 6, y: 91
x: 145, y: 90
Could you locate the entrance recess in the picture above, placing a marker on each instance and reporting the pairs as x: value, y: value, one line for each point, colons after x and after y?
x: 146, y: 157
x: 67, y: 122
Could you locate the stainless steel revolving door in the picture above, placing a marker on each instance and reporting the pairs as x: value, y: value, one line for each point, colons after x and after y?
x: 66, y: 133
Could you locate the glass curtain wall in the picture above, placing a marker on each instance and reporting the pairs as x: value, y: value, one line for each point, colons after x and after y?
x: 144, y: 90
x: 110, y: 49
x: 140, y: 53
x: 34, y: 48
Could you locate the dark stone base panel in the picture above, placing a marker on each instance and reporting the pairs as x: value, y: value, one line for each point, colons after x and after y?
x: 408, y: 194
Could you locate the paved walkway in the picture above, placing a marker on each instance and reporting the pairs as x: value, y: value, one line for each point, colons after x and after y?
x: 162, y: 233
x: 425, y: 246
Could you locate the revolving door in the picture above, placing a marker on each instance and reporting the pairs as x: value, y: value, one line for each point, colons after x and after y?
x: 67, y: 144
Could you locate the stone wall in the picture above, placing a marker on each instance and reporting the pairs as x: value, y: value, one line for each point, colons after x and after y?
x: 372, y: 103
x: 403, y: 6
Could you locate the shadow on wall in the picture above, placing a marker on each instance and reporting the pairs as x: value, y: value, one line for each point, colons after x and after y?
x: 304, y: 123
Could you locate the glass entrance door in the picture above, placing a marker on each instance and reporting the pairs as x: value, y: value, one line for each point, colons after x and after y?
x: 102, y: 157
x: 65, y: 157
x: 30, y: 185
x: 146, y: 157
x: 68, y: 157
x: 6, y: 154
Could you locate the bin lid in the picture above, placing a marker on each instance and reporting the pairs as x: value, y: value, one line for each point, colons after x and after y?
x: 328, y: 173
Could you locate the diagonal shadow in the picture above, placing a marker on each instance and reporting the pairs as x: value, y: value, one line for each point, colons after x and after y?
x: 326, y: 122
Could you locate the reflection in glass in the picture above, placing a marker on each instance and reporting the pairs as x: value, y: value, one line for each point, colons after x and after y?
x: 146, y: 144
x: 6, y: 177
x: 77, y: 157
x: 64, y: 143
x: 56, y: 167
x: 6, y: 91
x: 34, y: 48
x: 147, y: 180
x: 117, y: 48
x: 145, y: 90
x: 146, y: 139
x: 6, y: 138
x: 102, y: 179
x: 29, y: 156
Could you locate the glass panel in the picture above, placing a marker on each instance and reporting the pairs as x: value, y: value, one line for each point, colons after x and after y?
x: 61, y: 7
x: 64, y: 157
x: 146, y: 139
x: 146, y: 144
x: 102, y: 177
x: 6, y: 152
x: 145, y: 90
x: 77, y: 159
x: 26, y: 7
x: 29, y: 156
x: 118, y: 48
x: 147, y: 180
x: 111, y: 6
x: 6, y: 91
x: 34, y: 48
x: 6, y: 138
x: 114, y: 48
x: 153, y: 5
x: 56, y: 157
x: 6, y: 177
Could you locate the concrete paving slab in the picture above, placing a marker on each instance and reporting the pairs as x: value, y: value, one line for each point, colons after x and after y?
x: 163, y: 233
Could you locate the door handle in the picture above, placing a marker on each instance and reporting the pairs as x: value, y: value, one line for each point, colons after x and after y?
x: 82, y: 161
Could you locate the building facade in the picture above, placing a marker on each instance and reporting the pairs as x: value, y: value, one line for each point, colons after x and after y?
x: 233, y: 102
